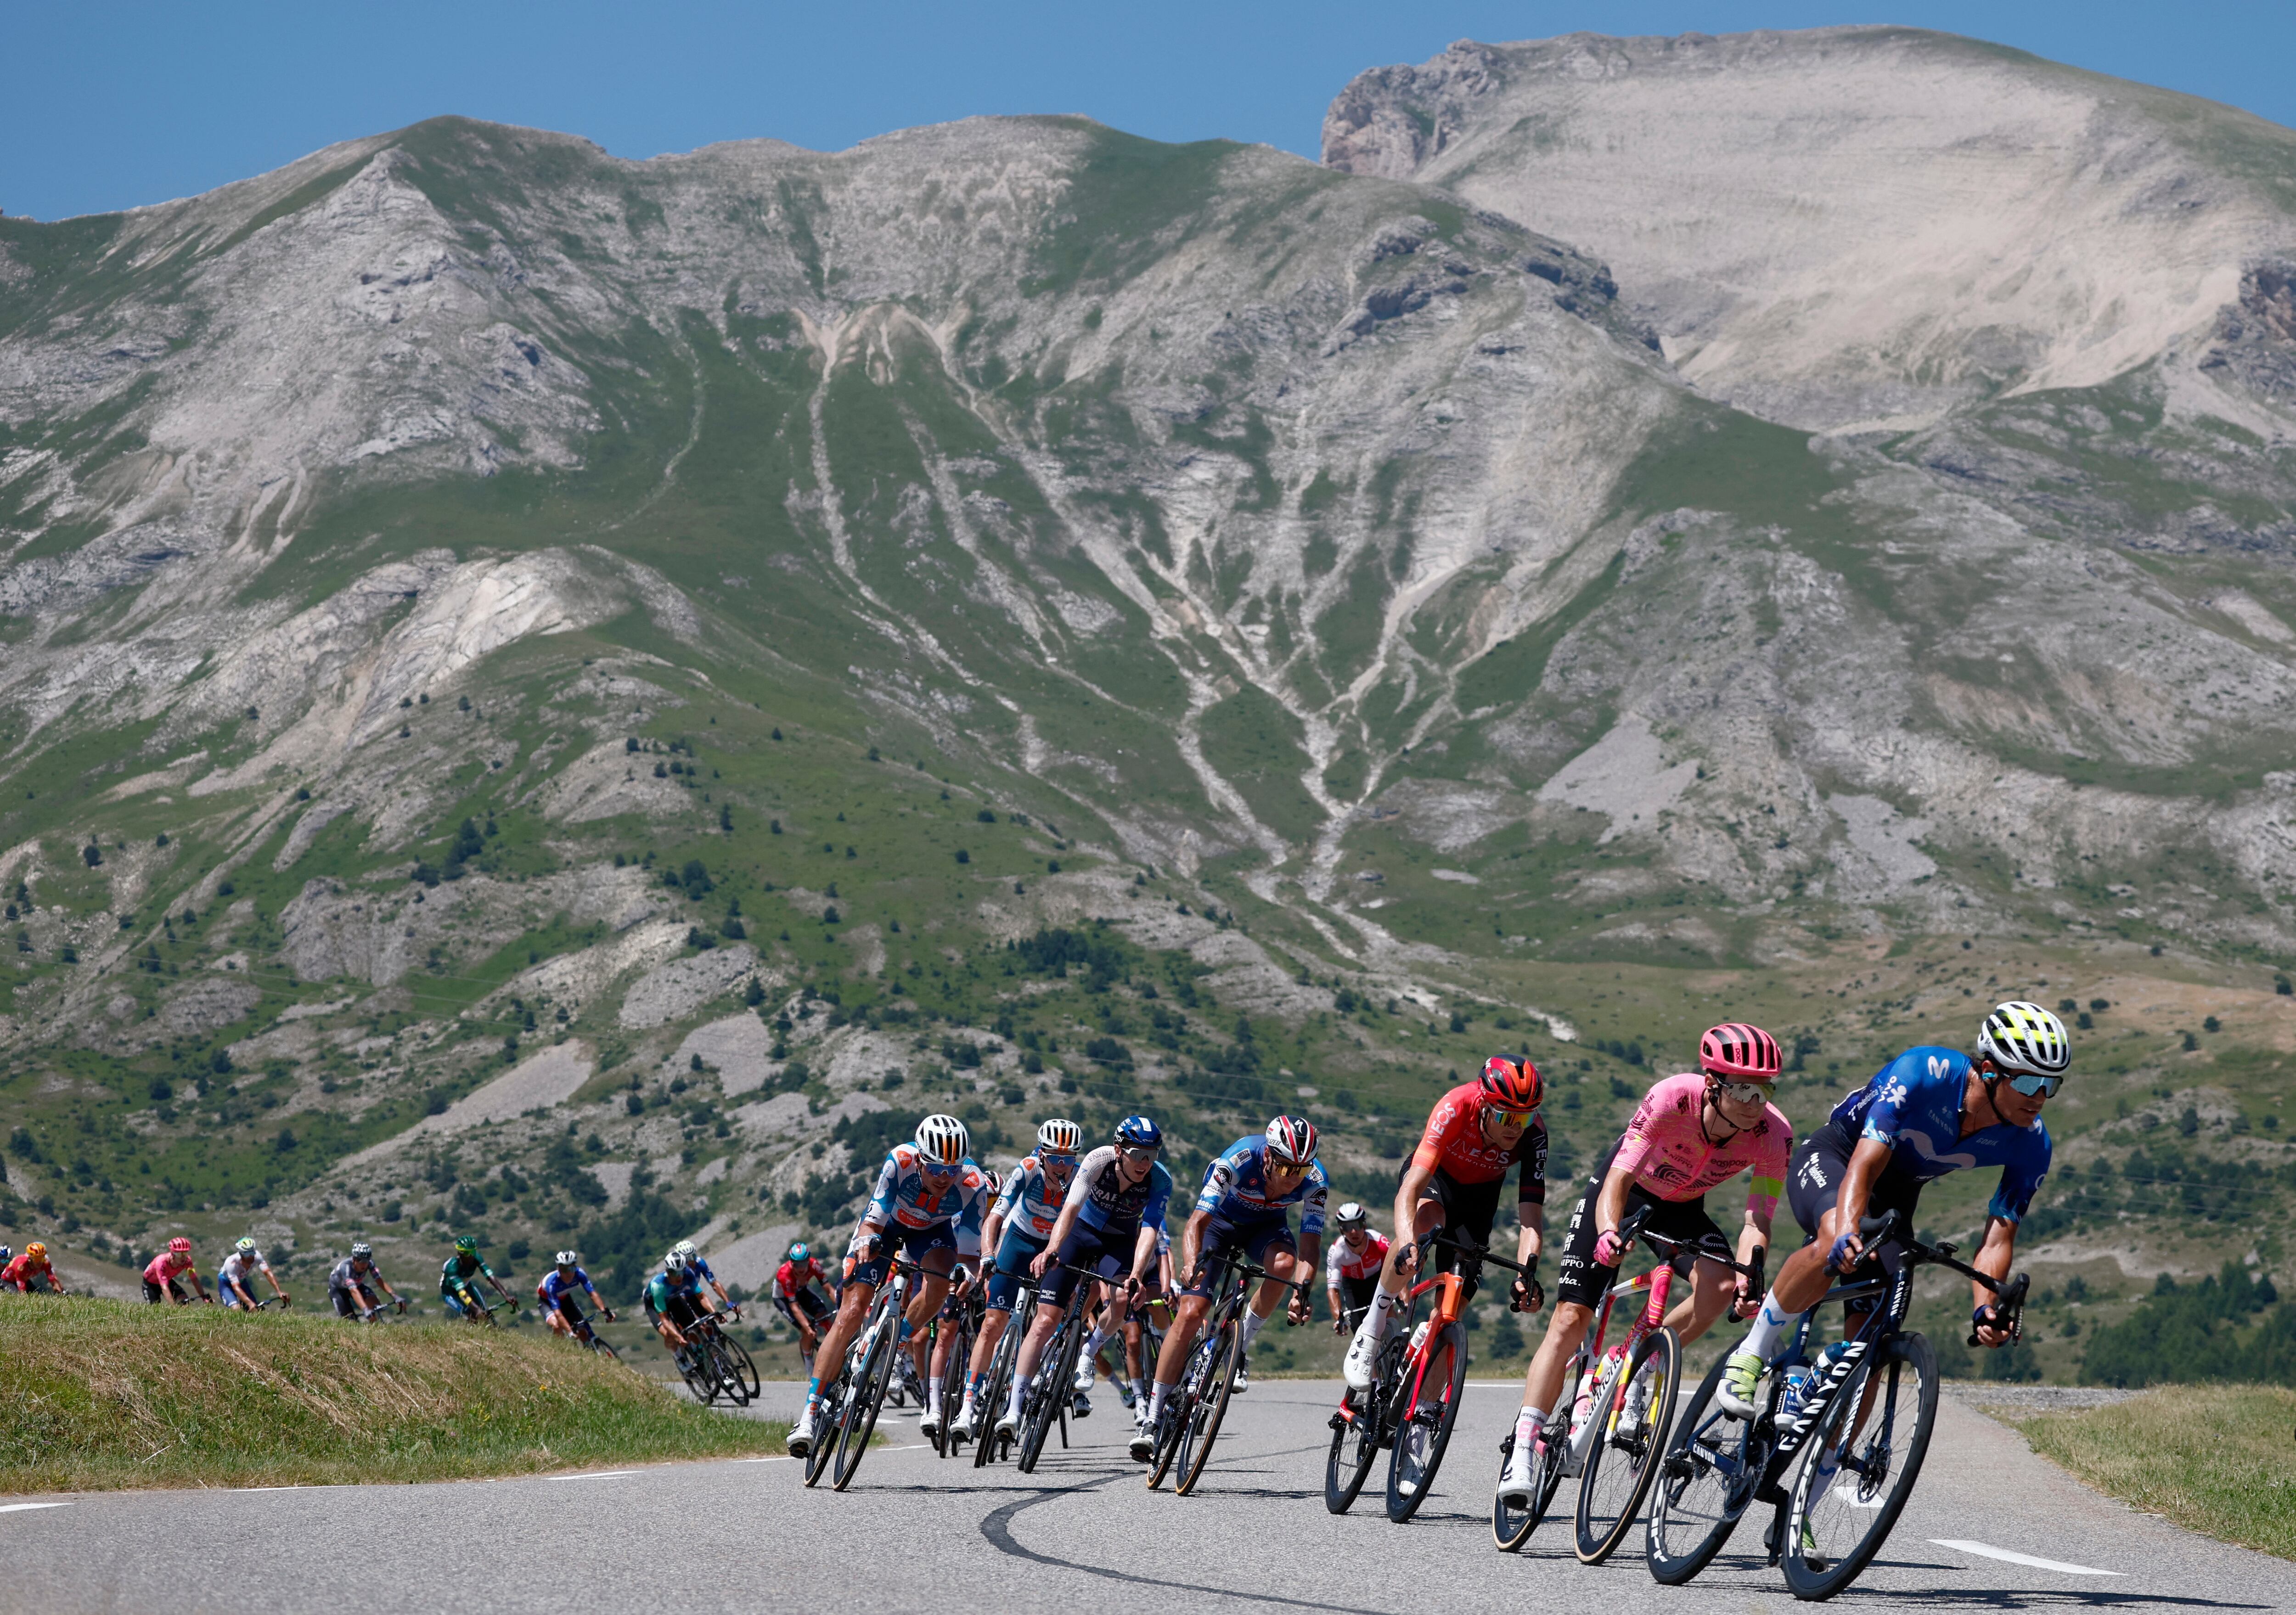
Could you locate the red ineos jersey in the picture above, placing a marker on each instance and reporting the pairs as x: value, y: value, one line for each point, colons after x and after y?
x: 1454, y: 1144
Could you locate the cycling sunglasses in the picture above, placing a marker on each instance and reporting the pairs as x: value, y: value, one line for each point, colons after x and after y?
x: 1137, y: 1153
x: 1513, y: 1119
x: 2032, y: 1085
x: 1745, y: 1092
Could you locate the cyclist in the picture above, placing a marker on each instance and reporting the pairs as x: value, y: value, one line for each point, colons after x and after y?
x: 456, y: 1279
x: 1930, y: 1111
x: 1244, y: 1206
x: 163, y: 1272
x: 674, y: 1303
x: 555, y: 1295
x: 1450, y: 1188
x: 698, y: 1266
x: 1351, y: 1268
x: 352, y: 1283
x: 1691, y: 1133
x: 795, y: 1295
x: 1108, y: 1224
x: 928, y: 1202
x: 30, y: 1273
x: 1155, y: 1301
x: 1020, y: 1221
x: 235, y: 1278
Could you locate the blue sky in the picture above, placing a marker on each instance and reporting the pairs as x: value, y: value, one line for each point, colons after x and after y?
x: 112, y: 106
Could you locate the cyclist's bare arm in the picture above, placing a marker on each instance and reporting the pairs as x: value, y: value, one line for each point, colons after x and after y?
x: 1403, y: 1255
x: 1192, y: 1242
x: 1993, y: 1258
x: 1804, y: 1277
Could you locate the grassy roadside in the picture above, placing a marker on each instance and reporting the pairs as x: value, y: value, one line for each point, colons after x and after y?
x: 2216, y: 1459
x: 104, y: 1395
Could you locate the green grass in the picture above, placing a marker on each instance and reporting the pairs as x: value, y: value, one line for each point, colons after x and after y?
x: 2213, y: 1458
x: 105, y: 1396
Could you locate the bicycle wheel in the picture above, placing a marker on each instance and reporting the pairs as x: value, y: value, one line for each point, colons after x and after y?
x: 828, y: 1424
x: 693, y: 1367
x: 1355, y: 1445
x: 1425, y: 1430
x: 728, y: 1371
x: 868, y: 1397
x: 998, y: 1389
x: 952, y: 1387
x: 1634, y: 1419
x: 746, y: 1367
x: 1857, y: 1473
x: 1174, y: 1419
x: 1046, y: 1396
x: 1208, y: 1407
x: 1705, y: 1481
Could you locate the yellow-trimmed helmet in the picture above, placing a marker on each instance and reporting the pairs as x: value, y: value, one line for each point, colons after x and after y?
x: 2025, y: 1039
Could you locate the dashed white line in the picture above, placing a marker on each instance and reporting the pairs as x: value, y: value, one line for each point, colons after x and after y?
x: 1987, y: 1550
x: 602, y: 1474
x: 13, y: 1508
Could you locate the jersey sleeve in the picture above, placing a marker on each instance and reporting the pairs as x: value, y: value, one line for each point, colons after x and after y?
x: 2021, y: 1179
x: 1768, y: 1178
x: 1531, y: 1189
x: 1892, y: 1095
x: 1008, y: 1198
x: 1430, y: 1152
x: 1331, y: 1258
x: 1089, y: 1174
x: 1159, y: 1197
x: 880, y: 1211
x: 1219, y: 1182
x: 968, y: 1217
x: 1312, y: 1203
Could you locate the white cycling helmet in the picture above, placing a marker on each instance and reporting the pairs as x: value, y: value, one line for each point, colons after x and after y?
x: 943, y: 1141
x: 1060, y: 1136
x: 566, y: 1258
x: 673, y: 1263
x: 687, y: 1248
x: 2024, y: 1039
x: 1351, y: 1217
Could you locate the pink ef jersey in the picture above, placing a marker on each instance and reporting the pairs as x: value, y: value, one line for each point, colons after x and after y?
x: 166, y: 1266
x: 1666, y: 1149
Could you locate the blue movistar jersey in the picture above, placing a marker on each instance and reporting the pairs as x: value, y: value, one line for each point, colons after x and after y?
x: 701, y: 1270
x: 1914, y: 1105
x: 1105, y: 1201
x: 1235, y: 1188
x: 1028, y: 1202
x: 557, y: 1287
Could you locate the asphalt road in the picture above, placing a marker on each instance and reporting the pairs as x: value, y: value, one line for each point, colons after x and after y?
x: 916, y: 1533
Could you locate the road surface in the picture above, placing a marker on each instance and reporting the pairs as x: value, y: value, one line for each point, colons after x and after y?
x: 917, y: 1533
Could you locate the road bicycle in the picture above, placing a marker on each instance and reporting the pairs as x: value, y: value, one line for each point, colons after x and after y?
x: 1860, y: 1421
x: 868, y: 1372
x: 1194, y: 1410
x: 1607, y: 1431
x: 475, y: 1309
x: 587, y: 1334
x: 265, y: 1305
x: 381, y: 1312
x: 1049, y: 1395
x: 1415, y: 1432
x: 712, y: 1362
x: 987, y: 1443
x: 960, y: 1319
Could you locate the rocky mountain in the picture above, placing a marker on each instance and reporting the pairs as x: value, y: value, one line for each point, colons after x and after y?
x: 572, y: 695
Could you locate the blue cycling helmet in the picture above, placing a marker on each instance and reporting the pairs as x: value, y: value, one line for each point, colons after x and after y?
x: 1139, y: 1132
x: 797, y: 1251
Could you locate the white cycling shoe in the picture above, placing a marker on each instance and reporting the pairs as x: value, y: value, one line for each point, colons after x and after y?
x: 1363, y: 1358
x: 1144, y: 1442
x: 1243, y: 1381
x: 1084, y: 1379
x: 1008, y: 1424
x: 1520, y: 1484
x: 800, y: 1436
x: 930, y: 1425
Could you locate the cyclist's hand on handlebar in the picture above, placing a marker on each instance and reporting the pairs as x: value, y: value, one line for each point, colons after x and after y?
x: 1036, y: 1266
x: 1610, y: 1249
x: 1527, y: 1295
x: 1407, y: 1258
x: 1748, y: 1300
x: 1300, y: 1310
x: 1848, y: 1252
x: 1991, y: 1331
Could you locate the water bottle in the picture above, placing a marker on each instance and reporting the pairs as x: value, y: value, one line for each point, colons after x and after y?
x: 1419, y: 1335
x: 1800, y: 1378
x: 1585, y: 1400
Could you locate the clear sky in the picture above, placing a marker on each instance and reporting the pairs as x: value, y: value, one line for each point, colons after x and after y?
x: 109, y: 106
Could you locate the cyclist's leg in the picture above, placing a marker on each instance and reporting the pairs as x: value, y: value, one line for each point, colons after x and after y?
x: 1387, y: 1302
x: 853, y: 1310
x: 1579, y: 1289
x: 1271, y: 1246
x: 1194, y: 1303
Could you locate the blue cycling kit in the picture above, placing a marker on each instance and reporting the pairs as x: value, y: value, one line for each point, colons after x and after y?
x: 1914, y: 1103
x: 1236, y: 1189
x: 1105, y: 1201
x: 559, y: 1291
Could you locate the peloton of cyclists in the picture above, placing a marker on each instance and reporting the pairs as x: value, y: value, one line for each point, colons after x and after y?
x: 164, y: 1273
x: 1019, y: 1222
x: 556, y: 1294
x: 1691, y: 1133
x: 1930, y: 1111
x: 927, y: 1204
x: 795, y: 1298
x: 1245, y: 1206
x: 1108, y: 1224
x: 235, y: 1278
x: 352, y: 1283
x: 1450, y: 1189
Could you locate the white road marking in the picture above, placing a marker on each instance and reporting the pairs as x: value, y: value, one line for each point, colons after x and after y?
x: 783, y: 1458
x: 268, y: 1489
x: 13, y: 1508
x: 1989, y: 1551
x: 603, y: 1474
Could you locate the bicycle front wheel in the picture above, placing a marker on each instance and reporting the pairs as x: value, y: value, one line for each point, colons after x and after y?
x: 728, y: 1371
x: 745, y: 1369
x: 1859, y: 1468
x: 868, y: 1397
x: 1047, y: 1397
x: 828, y: 1425
x: 1208, y: 1407
x: 1623, y: 1452
x: 1705, y: 1481
x: 1425, y: 1430
x: 952, y: 1389
x: 999, y: 1388
x: 1355, y: 1447
x: 1511, y: 1526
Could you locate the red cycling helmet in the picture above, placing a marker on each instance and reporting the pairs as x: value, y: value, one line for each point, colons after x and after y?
x: 1511, y: 1085
x: 1737, y: 1050
x: 179, y: 1246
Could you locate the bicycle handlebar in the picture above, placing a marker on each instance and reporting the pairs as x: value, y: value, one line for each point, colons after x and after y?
x: 1480, y: 1254
x: 2008, y: 1294
x: 1668, y: 1247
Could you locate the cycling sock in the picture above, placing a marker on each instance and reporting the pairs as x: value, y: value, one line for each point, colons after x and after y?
x: 813, y: 1392
x: 1156, y: 1400
x: 1771, y: 1322
x: 979, y: 1384
x: 1092, y: 1343
x: 933, y: 1399
x: 1381, y: 1314
x: 1526, y: 1426
x: 1252, y: 1324
x: 1020, y: 1391
x: 1139, y: 1388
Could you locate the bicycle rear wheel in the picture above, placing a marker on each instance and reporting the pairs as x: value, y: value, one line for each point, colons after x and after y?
x: 694, y: 1367
x: 745, y: 1369
x: 998, y: 1389
x: 952, y: 1387
x: 1857, y: 1473
x: 868, y: 1397
x: 1705, y: 1480
x: 1208, y: 1407
x: 1424, y: 1431
x: 1622, y: 1457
